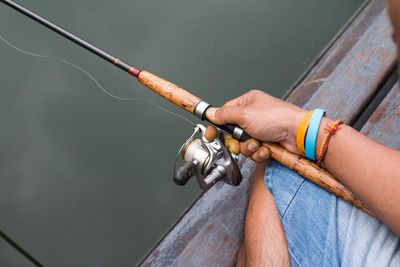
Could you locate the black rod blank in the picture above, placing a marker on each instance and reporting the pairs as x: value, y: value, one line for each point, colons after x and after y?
x: 79, y: 41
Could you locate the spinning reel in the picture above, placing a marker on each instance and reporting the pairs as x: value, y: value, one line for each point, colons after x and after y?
x: 208, y: 161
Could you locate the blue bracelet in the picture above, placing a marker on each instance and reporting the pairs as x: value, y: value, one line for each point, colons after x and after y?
x: 312, y: 133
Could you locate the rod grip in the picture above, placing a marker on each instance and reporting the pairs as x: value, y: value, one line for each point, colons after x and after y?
x: 169, y: 91
x: 233, y: 130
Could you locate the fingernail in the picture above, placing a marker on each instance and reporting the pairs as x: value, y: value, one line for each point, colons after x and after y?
x: 264, y: 155
x: 234, y: 150
x: 253, y: 146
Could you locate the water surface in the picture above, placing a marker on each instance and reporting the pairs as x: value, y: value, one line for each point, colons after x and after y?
x: 85, y: 180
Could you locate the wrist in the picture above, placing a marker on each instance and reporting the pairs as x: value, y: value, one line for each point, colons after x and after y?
x: 293, y: 126
x: 322, y: 132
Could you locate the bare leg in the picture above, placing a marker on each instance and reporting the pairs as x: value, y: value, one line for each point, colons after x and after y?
x: 264, y: 238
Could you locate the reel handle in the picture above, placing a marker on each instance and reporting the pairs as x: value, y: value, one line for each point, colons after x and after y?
x: 184, y: 173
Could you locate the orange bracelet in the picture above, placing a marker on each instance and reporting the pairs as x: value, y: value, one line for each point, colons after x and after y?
x: 301, y: 132
x: 332, y: 129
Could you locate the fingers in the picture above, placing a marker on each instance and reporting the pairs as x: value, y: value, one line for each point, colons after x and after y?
x: 211, y: 133
x: 252, y: 148
x: 261, y: 155
x: 232, y: 144
x: 248, y: 147
x: 226, y: 114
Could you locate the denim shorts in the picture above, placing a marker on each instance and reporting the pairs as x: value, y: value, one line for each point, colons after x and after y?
x: 323, y: 230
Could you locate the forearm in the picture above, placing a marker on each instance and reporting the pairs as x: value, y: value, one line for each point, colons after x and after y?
x: 369, y: 169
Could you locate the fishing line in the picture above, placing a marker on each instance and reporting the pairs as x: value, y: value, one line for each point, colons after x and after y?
x: 170, y: 91
x: 99, y: 85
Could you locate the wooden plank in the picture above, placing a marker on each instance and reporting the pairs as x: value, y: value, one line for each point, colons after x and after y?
x: 336, y: 52
x: 384, y: 124
x: 210, y: 232
x: 354, y: 81
x: 205, y: 236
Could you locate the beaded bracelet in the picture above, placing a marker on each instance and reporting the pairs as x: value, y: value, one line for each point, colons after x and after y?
x: 332, y: 129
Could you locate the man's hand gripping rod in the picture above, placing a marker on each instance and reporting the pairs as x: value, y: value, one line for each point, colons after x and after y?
x: 301, y: 165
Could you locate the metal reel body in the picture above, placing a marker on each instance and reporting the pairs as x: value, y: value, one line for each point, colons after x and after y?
x: 208, y: 161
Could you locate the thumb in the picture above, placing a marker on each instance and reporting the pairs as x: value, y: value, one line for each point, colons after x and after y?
x: 226, y: 114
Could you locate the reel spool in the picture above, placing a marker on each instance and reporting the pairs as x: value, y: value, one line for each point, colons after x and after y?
x: 208, y: 161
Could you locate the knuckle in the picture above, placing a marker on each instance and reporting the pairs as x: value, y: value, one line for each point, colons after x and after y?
x: 255, y: 157
x: 219, y: 113
x: 256, y: 92
x: 244, y: 151
x: 244, y: 116
x: 211, y: 133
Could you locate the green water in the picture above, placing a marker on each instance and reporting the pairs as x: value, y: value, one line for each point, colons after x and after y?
x: 85, y: 180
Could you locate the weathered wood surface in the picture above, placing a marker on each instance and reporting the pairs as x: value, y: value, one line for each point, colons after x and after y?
x: 205, y: 236
x: 354, y: 80
x: 209, y: 234
x: 384, y: 124
x: 336, y: 52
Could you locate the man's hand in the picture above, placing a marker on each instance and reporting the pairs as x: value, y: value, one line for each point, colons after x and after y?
x: 266, y: 118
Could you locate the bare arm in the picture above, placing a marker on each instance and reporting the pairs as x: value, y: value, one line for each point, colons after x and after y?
x: 368, y: 169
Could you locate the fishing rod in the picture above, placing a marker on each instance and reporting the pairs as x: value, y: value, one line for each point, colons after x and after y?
x: 209, y: 161
x: 162, y: 87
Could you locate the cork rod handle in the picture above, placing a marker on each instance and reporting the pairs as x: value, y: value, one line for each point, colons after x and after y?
x: 169, y: 91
